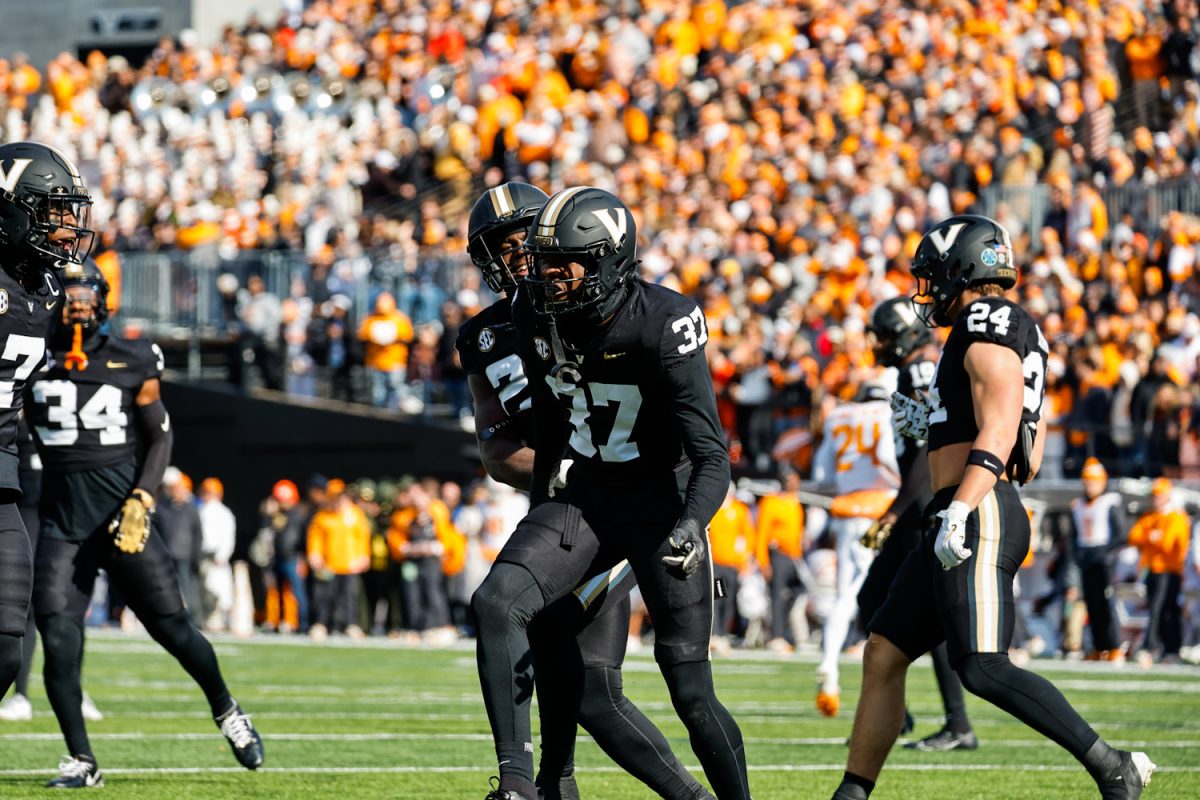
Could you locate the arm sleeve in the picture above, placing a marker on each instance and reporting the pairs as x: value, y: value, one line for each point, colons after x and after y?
x: 696, y: 417
x: 916, y: 482
x: 154, y: 425
x: 549, y: 441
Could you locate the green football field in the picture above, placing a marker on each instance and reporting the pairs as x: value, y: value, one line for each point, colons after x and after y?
x: 378, y: 720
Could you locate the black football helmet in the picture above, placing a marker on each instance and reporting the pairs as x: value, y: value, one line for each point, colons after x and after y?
x: 41, y: 192
x: 588, y: 226
x: 960, y: 252
x: 500, y: 211
x: 897, y: 330
x: 88, y: 276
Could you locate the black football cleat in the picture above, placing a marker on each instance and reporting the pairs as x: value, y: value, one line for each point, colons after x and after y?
x: 243, y: 738
x: 945, y: 740
x: 77, y: 773
x: 1128, y: 781
x: 503, y: 794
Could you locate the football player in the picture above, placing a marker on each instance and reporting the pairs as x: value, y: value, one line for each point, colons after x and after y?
x: 858, y: 456
x: 105, y: 439
x: 45, y: 220
x: 904, y: 343
x: 621, y: 387
x: 984, y: 427
x: 579, y: 644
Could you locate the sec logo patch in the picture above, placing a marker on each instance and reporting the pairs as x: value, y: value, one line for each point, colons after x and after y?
x: 487, y: 340
x: 3, y: 301
x: 542, y: 347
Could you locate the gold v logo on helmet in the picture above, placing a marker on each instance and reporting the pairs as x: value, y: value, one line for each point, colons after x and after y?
x: 616, y: 228
x: 943, y: 241
x: 10, y: 177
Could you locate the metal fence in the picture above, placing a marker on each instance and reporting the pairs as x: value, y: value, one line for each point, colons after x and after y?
x: 175, y: 293
x: 1148, y: 205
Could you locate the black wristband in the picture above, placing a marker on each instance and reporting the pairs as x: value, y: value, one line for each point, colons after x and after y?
x: 989, y: 461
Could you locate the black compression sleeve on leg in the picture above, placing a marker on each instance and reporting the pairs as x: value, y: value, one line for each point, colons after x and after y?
x: 558, y: 675
x: 632, y: 740
x: 1029, y: 697
x: 62, y: 643
x: 715, y: 737
x: 10, y: 660
x: 952, y: 691
x: 505, y: 604
x: 179, y: 637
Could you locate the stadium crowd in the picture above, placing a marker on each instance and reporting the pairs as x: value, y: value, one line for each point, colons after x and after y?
x: 782, y: 158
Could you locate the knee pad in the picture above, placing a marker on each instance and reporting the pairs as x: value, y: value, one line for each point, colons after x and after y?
x: 508, y: 594
x: 691, y: 689
x: 982, y: 673
x: 603, y: 694
x: 62, y: 642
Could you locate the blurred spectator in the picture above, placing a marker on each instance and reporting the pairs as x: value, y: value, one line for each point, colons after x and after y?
x: 339, y: 551
x: 779, y: 546
x: 1162, y: 537
x: 1098, y: 528
x: 387, y: 334
x: 219, y: 530
x: 183, y: 534
x: 287, y: 519
x: 262, y: 319
x: 424, y: 542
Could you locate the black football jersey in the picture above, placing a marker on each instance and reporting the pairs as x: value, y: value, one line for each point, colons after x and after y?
x: 487, y: 345
x: 637, y: 411
x: 84, y: 419
x: 27, y: 320
x: 994, y: 320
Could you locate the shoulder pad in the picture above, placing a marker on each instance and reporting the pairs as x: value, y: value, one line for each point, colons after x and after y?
x: 994, y: 320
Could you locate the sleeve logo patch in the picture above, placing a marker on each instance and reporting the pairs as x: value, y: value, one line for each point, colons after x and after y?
x: 542, y: 347
x: 487, y: 340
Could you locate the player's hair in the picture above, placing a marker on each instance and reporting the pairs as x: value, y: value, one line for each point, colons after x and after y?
x: 989, y: 289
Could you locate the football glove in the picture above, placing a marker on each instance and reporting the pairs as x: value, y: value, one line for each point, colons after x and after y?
x: 910, y: 417
x: 131, y: 526
x: 876, y: 535
x: 950, y: 547
x: 559, y: 479
x: 688, y: 549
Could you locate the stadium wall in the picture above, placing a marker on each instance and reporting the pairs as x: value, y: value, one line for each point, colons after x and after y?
x: 249, y: 442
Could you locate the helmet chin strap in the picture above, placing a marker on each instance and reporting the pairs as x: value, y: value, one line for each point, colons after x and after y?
x: 565, y: 371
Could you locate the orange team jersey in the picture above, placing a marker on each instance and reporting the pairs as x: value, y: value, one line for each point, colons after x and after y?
x: 731, y: 535
x: 109, y: 263
x: 1163, y: 539
x: 340, y: 537
x: 387, y: 337
x: 780, y: 527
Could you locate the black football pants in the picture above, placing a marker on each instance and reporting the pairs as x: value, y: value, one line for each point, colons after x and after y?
x: 65, y: 573
x: 16, y: 583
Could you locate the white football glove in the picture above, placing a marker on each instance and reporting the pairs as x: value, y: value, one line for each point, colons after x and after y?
x: 559, y: 479
x: 910, y: 417
x: 950, y: 547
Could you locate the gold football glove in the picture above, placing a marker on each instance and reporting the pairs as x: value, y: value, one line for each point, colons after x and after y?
x: 131, y: 526
x: 876, y: 535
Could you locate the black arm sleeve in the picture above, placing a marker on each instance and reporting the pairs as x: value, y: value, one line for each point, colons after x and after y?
x: 691, y: 387
x: 155, y: 428
x: 549, y: 441
x: 916, y: 483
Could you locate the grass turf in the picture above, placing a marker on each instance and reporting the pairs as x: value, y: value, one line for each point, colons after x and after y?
x: 379, y: 721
